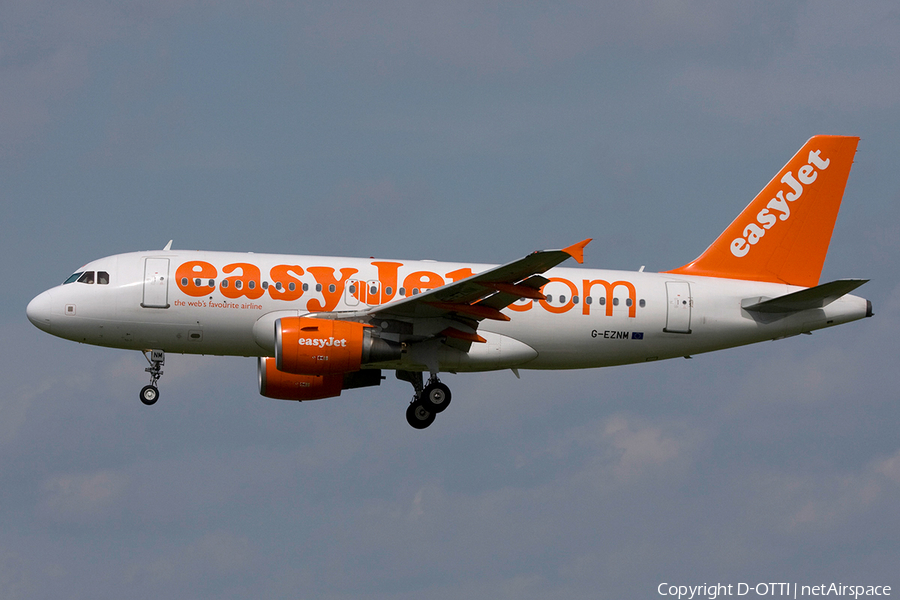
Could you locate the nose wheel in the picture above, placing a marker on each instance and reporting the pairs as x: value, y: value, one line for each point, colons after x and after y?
x: 428, y: 401
x: 150, y: 393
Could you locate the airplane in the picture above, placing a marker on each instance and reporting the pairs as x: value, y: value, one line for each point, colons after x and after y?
x: 321, y: 325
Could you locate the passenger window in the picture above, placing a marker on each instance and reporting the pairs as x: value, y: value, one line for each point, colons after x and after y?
x: 318, y: 287
x: 388, y: 290
x: 305, y: 287
x: 615, y: 301
x: 331, y: 288
x: 86, y: 277
x: 73, y: 277
x: 102, y: 277
x: 589, y: 300
x: 642, y: 303
x: 628, y: 302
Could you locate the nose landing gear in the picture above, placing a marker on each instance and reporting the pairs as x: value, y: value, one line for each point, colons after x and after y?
x: 427, y: 401
x: 150, y: 393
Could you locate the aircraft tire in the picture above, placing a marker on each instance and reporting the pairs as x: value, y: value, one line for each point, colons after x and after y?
x: 418, y: 415
x: 149, y: 395
x: 436, y: 396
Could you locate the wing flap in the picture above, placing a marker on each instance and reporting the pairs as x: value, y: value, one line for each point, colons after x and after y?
x: 507, y: 294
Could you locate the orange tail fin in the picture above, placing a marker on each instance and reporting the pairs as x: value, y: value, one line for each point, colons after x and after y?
x: 783, y: 234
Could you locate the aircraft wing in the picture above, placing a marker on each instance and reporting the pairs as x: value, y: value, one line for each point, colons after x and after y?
x: 484, y: 295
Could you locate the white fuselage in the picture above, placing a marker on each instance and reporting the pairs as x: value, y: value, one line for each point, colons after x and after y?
x: 589, y: 318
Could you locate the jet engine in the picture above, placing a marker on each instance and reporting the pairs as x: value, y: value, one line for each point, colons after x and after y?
x: 309, y: 346
x: 288, y: 386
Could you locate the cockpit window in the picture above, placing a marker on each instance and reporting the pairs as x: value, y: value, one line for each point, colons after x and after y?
x: 88, y: 277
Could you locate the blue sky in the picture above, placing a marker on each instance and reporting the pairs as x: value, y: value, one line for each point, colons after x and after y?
x: 470, y: 131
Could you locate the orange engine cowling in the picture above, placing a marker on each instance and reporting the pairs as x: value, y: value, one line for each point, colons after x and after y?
x: 288, y: 386
x: 306, y: 346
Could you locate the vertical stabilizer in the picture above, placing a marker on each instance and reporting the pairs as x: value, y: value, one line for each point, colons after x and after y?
x: 783, y: 234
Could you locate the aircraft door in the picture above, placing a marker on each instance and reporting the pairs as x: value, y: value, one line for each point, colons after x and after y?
x: 678, y: 314
x: 156, y: 283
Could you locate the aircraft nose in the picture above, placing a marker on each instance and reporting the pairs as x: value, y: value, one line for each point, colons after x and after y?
x: 39, y: 311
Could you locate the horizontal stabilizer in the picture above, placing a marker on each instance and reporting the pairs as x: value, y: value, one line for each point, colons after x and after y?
x: 814, y: 297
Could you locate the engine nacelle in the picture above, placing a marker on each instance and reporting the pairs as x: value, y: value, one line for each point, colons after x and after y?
x: 308, y: 346
x: 305, y: 346
x: 288, y: 386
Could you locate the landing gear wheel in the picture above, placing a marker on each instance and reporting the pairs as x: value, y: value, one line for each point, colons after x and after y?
x: 157, y: 358
x: 418, y: 416
x: 436, y: 396
x: 149, y: 395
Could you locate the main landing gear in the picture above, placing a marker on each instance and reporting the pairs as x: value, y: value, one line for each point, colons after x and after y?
x: 428, y: 400
x: 149, y: 393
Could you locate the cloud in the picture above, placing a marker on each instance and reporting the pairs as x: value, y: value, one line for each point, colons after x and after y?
x: 81, y: 497
x: 820, y: 502
x: 888, y: 467
x: 212, y: 556
x: 15, y: 407
x: 640, y: 448
x: 623, y: 449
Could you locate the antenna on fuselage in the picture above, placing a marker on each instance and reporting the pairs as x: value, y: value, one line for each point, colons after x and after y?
x: 168, y: 246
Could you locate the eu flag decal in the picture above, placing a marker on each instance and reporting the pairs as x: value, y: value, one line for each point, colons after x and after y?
x: 637, y: 335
